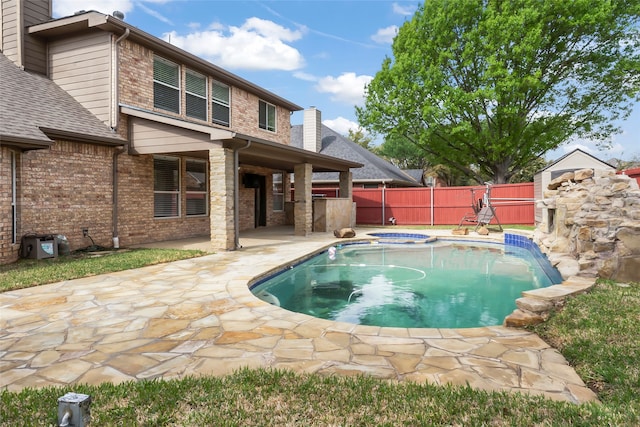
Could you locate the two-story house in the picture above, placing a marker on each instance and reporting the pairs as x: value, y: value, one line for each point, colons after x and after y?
x: 109, y: 129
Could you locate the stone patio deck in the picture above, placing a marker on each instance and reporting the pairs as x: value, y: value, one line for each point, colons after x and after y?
x: 197, y: 317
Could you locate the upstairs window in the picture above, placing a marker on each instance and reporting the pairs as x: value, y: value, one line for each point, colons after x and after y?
x: 220, y: 104
x: 197, y: 195
x: 166, y: 187
x: 196, y: 94
x: 166, y: 85
x: 267, y: 116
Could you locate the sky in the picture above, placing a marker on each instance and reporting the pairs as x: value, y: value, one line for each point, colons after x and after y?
x: 318, y: 53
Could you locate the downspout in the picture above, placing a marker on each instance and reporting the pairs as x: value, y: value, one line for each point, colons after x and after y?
x: 117, y: 93
x: 114, y: 215
x: 236, y: 195
x: 116, y: 154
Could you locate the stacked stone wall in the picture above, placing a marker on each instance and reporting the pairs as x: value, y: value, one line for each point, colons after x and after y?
x: 593, y: 227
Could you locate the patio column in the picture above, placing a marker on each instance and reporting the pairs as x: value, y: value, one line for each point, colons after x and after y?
x: 346, y: 191
x: 303, y: 204
x: 346, y: 185
x: 221, y: 198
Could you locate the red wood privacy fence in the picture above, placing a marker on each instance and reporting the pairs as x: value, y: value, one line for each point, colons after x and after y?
x: 513, y: 204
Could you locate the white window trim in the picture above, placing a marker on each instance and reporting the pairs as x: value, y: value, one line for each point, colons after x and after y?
x: 205, y: 97
x: 176, y: 192
x: 178, y: 88
x: 275, y: 121
x: 219, y: 102
x: 275, y: 193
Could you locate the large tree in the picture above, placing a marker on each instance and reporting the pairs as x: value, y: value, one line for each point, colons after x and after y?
x: 488, y: 86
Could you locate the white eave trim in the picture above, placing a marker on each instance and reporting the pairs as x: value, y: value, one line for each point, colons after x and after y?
x: 215, y: 134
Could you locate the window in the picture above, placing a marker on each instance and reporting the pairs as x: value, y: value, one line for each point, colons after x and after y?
x: 166, y: 85
x: 220, y: 105
x: 278, y: 191
x: 196, y: 94
x: 197, y: 195
x: 267, y: 116
x: 166, y: 187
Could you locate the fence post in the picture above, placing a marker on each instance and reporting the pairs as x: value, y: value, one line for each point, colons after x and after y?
x: 384, y: 186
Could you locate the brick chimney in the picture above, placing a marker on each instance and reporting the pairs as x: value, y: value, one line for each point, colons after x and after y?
x: 311, y: 130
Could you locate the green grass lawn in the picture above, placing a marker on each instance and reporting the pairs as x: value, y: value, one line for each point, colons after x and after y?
x: 597, y: 332
x: 33, y: 272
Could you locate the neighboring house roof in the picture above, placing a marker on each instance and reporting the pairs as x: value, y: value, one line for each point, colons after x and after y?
x: 90, y: 20
x: 34, y: 111
x: 375, y: 169
x: 417, y: 174
x: 577, y: 151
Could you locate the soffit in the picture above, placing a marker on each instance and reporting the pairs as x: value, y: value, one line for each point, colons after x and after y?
x: 251, y: 150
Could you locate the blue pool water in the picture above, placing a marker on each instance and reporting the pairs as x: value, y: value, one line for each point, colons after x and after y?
x: 442, y: 284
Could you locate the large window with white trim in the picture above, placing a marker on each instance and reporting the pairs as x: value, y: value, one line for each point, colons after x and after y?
x: 220, y: 104
x: 166, y: 187
x: 266, y: 116
x: 197, y: 188
x: 196, y: 95
x: 166, y: 85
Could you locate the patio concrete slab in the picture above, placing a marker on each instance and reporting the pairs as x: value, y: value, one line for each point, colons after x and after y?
x: 198, y: 317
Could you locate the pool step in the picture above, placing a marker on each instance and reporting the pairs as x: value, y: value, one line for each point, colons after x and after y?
x: 535, y: 306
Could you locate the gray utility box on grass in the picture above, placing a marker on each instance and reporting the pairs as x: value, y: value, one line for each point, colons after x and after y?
x: 39, y: 246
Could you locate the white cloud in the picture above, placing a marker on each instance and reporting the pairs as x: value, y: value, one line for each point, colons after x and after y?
x: 341, y: 125
x: 347, y: 88
x: 69, y: 7
x: 403, y: 10
x: 305, y: 76
x: 256, y: 45
x: 385, y: 35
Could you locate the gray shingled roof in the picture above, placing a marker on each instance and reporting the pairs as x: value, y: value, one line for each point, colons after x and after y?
x: 375, y: 169
x: 34, y: 110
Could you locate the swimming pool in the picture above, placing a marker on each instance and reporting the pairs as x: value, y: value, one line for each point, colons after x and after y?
x: 443, y: 283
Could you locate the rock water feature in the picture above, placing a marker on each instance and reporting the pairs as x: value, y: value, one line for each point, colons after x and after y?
x: 591, y: 229
x: 593, y: 225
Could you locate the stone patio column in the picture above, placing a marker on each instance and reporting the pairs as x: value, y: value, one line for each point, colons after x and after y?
x: 346, y: 191
x: 303, y: 204
x: 221, y: 198
x: 346, y: 185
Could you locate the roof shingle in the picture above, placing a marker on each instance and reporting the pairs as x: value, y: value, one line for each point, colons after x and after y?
x: 31, y: 106
x: 375, y: 169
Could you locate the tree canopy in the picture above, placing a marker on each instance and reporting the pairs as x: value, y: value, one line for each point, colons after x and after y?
x: 488, y: 86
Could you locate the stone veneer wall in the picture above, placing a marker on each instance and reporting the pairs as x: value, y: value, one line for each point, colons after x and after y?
x: 593, y: 226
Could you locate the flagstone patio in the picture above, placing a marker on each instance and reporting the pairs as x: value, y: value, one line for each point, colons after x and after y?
x: 198, y: 317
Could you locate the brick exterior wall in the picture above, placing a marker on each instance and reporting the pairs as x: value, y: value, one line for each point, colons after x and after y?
x: 70, y: 186
x: 136, y: 90
x: 136, y: 222
x: 248, y: 195
x: 8, y: 249
x: 64, y: 189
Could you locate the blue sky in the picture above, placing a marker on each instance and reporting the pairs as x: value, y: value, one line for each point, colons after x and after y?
x: 318, y: 53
